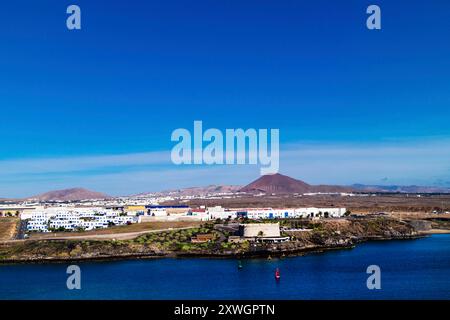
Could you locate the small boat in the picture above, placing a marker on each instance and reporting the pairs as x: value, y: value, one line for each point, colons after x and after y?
x: 269, y: 258
x: 277, y: 274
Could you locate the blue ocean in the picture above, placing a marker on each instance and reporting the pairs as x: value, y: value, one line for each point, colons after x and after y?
x: 410, y: 269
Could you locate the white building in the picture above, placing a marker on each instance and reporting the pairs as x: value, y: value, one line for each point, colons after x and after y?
x: 219, y: 212
x: 312, y: 213
x: 69, y: 218
x: 262, y: 232
x: 270, y: 213
x: 45, y: 219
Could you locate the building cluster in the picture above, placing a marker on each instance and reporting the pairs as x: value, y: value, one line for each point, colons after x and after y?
x: 270, y: 213
x: 172, y: 213
x: 175, y: 213
x: 71, y: 217
x: 12, y: 210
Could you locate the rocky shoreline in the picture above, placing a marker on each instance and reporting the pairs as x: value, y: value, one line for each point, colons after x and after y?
x: 263, y: 254
x: 325, y: 236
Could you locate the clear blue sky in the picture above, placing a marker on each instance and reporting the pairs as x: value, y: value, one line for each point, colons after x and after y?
x: 138, y: 70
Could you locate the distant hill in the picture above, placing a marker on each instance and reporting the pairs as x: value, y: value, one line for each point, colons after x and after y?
x: 193, y: 191
x: 278, y: 183
x: 281, y: 184
x: 74, y: 194
x: 200, y: 191
x: 401, y: 189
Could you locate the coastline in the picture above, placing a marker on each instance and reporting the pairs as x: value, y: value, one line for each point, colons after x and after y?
x: 185, y: 277
x: 204, y: 255
x: 327, y: 235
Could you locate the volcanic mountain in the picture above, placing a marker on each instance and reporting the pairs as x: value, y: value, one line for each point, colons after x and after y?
x: 74, y: 194
x: 195, y: 191
x: 211, y: 189
x: 278, y: 183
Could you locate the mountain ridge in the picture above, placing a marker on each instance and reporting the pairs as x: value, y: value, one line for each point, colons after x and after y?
x: 195, y: 191
x: 278, y: 183
x: 71, y: 194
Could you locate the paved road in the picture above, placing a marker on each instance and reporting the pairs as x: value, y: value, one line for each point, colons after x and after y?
x: 22, y: 230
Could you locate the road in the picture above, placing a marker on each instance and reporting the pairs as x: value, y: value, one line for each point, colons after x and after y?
x: 22, y: 229
x: 113, y: 236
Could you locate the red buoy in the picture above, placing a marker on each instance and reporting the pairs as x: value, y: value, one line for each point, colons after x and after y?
x: 277, y: 274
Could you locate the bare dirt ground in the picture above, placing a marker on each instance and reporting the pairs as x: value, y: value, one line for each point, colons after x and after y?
x: 419, y: 215
x: 389, y: 203
x: 8, y: 227
x: 118, y: 233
